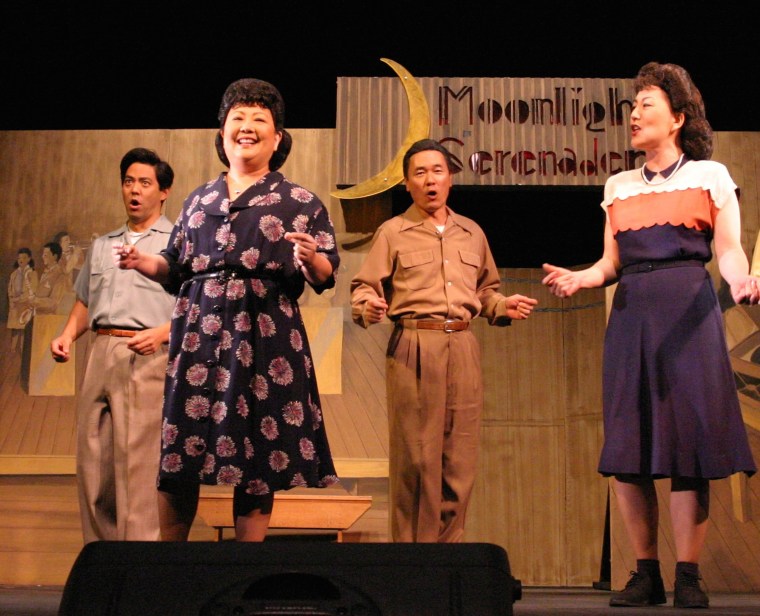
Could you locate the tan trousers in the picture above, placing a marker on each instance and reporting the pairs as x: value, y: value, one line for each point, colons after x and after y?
x: 119, y: 442
x: 435, y: 402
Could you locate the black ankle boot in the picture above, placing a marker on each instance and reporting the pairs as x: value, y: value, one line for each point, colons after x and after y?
x: 688, y: 592
x: 641, y: 590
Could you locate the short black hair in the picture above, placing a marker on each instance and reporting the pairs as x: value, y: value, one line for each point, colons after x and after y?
x: 55, y: 248
x: 164, y: 172
x: 423, y: 145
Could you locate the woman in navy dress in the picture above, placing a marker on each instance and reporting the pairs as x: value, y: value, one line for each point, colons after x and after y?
x: 241, y: 405
x: 670, y: 402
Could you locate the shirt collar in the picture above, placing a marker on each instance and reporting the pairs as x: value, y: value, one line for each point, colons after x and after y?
x: 665, y: 173
x: 413, y: 218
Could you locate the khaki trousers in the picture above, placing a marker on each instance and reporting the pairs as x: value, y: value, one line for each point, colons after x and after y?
x: 435, y: 402
x: 119, y: 442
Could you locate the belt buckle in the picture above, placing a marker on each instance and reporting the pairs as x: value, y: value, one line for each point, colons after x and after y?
x: 448, y: 326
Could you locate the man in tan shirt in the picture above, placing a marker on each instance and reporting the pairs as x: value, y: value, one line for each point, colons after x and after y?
x: 430, y: 271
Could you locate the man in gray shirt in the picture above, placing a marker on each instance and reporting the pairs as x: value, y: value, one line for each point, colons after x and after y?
x: 119, y: 406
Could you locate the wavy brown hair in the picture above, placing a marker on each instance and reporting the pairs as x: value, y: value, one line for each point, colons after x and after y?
x: 696, y: 136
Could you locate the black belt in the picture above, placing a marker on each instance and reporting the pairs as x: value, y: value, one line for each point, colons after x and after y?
x: 651, y: 266
x: 223, y: 275
x: 448, y: 325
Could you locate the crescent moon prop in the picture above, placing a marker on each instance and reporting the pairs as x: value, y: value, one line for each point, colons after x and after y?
x: 419, y: 128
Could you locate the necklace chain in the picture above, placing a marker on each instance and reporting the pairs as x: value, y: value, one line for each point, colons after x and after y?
x: 651, y: 183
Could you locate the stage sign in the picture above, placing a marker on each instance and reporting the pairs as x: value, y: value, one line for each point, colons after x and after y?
x: 501, y: 131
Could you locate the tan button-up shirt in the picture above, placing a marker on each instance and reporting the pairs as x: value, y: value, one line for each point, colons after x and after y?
x: 426, y: 274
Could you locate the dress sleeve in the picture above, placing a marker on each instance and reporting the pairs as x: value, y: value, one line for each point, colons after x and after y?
x: 324, y: 234
x: 177, y: 274
x: 722, y: 189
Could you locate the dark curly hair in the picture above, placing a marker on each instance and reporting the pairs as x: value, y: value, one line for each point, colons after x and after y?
x: 696, y: 134
x: 262, y: 94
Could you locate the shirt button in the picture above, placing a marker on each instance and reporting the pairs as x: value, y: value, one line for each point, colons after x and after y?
x: 210, y: 363
x: 206, y: 391
x: 449, y: 283
x: 217, y: 308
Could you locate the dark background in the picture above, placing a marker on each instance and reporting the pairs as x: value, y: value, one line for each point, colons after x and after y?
x: 165, y: 65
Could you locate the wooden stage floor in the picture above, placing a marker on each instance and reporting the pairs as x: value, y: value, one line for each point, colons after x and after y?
x: 44, y: 601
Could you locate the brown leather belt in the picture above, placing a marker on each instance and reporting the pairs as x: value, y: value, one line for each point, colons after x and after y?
x: 449, y: 325
x: 119, y: 333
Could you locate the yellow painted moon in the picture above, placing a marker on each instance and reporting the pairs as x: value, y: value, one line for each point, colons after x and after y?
x: 419, y: 128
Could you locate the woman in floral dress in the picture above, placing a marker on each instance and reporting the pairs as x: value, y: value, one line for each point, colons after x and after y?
x: 241, y: 405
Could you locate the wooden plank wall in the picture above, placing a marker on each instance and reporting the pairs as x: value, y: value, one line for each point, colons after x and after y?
x: 537, y: 493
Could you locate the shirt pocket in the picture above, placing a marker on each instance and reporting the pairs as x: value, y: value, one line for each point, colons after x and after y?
x: 470, y: 268
x: 418, y: 268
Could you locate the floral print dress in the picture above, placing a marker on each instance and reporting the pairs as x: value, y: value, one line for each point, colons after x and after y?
x: 241, y: 405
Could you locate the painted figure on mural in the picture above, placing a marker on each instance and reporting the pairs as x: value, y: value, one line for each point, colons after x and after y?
x: 670, y: 403
x: 241, y: 402
x: 22, y: 286
x: 119, y: 405
x: 72, y: 256
x: 430, y: 271
x: 52, y: 282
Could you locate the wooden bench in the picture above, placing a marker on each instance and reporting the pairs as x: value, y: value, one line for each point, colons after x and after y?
x: 333, y: 510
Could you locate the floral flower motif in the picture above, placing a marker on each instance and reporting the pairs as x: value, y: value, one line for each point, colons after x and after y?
x: 197, y: 407
x: 286, y: 306
x: 260, y: 387
x: 195, y: 446
x: 191, y: 342
x: 278, y: 460
x: 171, y: 367
x: 229, y: 476
x: 242, y: 406
x: 271, y: 227
x: 296, y: 341
x: 222, y: 235
x: 222, y: 379
x: 171, y: 463
x: 213, y: 288
x: 180, y: 307
x: 225, y: 447
x: 196, y: 220
x: 235, y: 289
x: 281, y: 371
x: 196, y: 375
x: 266, y: 325
x: 307, y: 449
x: 258, y: 287
x: 179, y: 240
x: 193, y: 313
x: 273, y: 266
x: 301, y: 223
x: 209, y: 197
x: 307, y: 365
x: 298, y: 481
x: 324, y: 240
x: 210, y: 324
x: 301, y: 194
x: 264, y: 200
x: 200, y: 263
x: 224, y: 206
x: 242, y: 322
x: 168, y: 433
x: 257, y: 487
x: 248, y: 446
x: 327, y: 481
x: 269, y: 428
x: 244, y: 353
x: 250, y: 258
x: 316, y: 415
x: 209, y: 464
x: 225, y: 342
x: 292, y: 413
x: 193, y: 204
x: 218, y: 411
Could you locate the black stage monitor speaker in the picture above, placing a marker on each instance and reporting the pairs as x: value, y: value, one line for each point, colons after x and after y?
x: 289, y: 577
